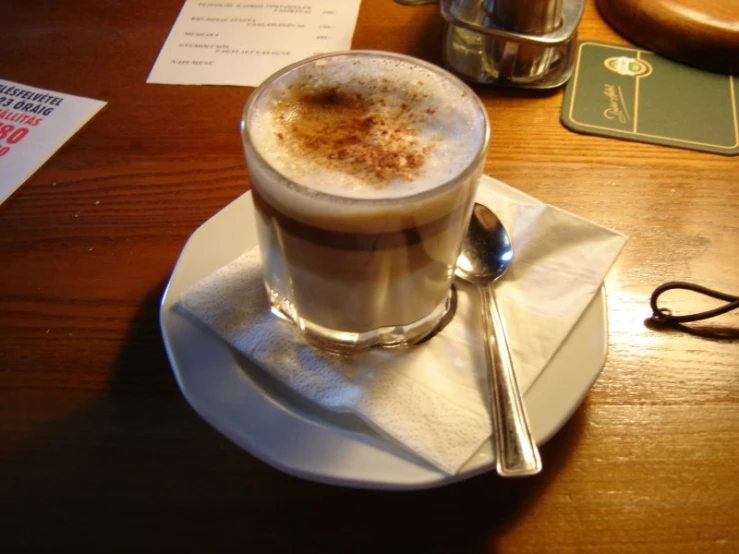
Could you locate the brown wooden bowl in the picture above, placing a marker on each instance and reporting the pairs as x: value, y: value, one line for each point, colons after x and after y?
x: 703, y: 33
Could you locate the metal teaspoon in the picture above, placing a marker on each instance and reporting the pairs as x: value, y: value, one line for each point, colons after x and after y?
x: 486, y: 254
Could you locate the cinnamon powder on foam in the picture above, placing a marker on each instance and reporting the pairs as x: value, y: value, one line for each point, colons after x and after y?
x: 361, y: 130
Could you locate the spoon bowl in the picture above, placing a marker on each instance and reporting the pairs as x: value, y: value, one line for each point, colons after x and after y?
x: 486, y: 252
x: 486, y: 255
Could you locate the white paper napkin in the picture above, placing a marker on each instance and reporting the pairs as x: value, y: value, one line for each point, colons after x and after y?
x: 430, y: 398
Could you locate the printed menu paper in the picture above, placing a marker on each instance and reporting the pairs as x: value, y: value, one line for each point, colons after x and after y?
x: 35, y: 123
x: 242, y: 43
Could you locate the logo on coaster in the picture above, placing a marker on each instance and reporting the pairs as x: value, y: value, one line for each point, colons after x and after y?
x: 631, y: 67
x: 616, y: 104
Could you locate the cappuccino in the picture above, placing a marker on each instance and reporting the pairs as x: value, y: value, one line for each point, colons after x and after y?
x: 363, y: 168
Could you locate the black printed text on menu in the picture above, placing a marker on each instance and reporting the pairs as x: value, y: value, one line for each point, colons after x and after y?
x: 242, y: 43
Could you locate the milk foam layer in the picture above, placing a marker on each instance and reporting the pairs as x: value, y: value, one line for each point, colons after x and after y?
x: 367, y: 127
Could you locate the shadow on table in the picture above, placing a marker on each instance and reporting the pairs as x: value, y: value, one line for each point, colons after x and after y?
x: 136, y: 470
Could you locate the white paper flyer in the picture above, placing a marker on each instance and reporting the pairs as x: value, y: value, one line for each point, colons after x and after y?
x: 35, y: 123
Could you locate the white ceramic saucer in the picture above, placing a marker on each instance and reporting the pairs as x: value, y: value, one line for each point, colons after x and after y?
x: 277, y: 426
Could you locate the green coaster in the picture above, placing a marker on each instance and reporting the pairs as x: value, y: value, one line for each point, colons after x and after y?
x: 634, y: 94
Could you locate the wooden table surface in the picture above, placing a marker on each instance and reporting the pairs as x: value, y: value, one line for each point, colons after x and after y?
x: 99, y: 451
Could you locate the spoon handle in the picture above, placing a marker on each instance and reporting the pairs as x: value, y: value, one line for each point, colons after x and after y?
x: 516, y: 453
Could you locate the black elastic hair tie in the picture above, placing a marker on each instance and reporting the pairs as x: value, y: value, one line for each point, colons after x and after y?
x: 663, y: 317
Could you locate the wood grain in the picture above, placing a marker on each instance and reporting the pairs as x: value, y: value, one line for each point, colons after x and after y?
x: 99, y: 452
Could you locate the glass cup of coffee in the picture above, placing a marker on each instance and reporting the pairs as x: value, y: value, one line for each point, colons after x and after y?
x: 364, y: 167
